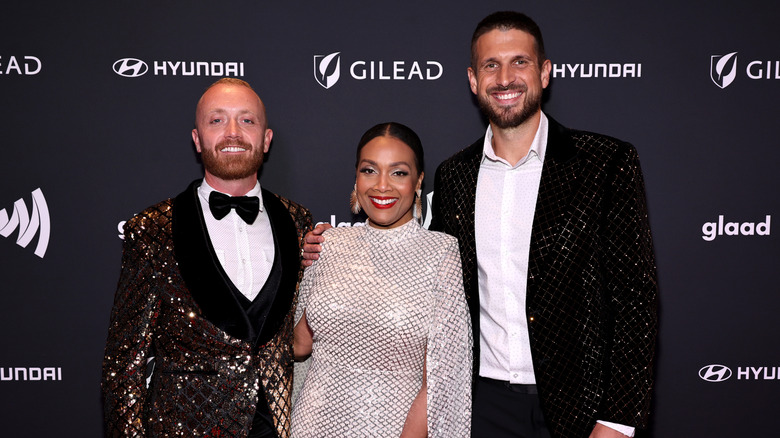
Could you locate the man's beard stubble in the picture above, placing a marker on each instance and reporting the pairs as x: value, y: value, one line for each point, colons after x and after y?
x: 506, y: 118
x: 229, y: 167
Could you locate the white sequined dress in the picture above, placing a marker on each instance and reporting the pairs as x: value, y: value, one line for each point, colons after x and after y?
x: 381, y: 304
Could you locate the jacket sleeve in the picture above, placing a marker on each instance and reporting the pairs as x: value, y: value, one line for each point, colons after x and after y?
x: 630, y: 278
x: 448, y: 353
x: 436, y: 209
x: 129, y: 339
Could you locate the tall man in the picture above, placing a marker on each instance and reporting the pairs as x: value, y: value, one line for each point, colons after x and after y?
x: 558, y: 261
x: 200, y: 341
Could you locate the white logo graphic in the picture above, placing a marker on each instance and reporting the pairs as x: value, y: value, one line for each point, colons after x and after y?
x: 763, y: 70
x: 121, y: 228
x: 31, y: 373
x: 723, y: 69
x: 326, y: 70
x: 333, y: 223
x: 28, y: 224
x: 601, y: 70
x: 715, y: 373
x: 758, y: 373
x: 134, y: 67
x: 428, y: 216
x: 30, y: 65
x: 710, y: 230
x: 130, y: 67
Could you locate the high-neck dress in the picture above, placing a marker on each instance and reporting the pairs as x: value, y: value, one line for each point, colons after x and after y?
x: 382, y: 304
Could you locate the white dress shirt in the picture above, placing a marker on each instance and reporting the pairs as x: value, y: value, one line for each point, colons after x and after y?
x: 246, y: 252
x: 505, y: 207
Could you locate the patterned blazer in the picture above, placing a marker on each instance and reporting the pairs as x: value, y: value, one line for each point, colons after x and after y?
x: 592, y: 292
x: 174, y: 303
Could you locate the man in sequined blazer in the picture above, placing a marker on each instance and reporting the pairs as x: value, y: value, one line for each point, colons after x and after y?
x: 200, y: 338
x: 557, y: 255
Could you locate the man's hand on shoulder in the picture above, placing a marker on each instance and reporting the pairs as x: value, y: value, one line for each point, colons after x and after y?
x: 311, y: 245
x: 601, y: 431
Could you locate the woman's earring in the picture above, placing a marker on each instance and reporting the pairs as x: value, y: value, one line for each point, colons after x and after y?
x: 354, y: 204
x: 417, y: 212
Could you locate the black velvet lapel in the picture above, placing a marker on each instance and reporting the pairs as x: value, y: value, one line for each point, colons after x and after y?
x: 286, y: 241
x: 557, y: 185
x: 202, y: 272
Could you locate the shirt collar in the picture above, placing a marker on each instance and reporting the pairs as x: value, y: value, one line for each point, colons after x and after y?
x: 538, y: 146
x: 205, y: 190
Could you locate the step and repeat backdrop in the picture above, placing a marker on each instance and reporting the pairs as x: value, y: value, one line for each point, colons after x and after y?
x: 98, y: 103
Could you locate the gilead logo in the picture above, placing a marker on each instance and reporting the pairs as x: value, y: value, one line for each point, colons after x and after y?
x: 723, y: 69
x: 711, y: 230
x: 22, y: 65
x: 327, y: 70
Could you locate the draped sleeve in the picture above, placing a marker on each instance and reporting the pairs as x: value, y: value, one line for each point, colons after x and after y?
x: 448, y: 354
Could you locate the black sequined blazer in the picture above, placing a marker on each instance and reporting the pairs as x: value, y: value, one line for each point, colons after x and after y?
x: 173, y: 302
x: 592, y: 292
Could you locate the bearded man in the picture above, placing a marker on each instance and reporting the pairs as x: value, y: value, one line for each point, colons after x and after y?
x: 558, y: 263
x: 200, y: 338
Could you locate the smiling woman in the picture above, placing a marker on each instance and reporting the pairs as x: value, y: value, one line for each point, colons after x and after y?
x: 389, y: 176
x: 383, y: 314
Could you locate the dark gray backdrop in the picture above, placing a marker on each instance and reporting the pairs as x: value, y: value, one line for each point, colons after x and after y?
x: 101, y: 147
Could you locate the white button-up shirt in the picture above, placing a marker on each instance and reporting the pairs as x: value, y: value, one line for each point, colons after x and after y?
x: 246, y: 252
x: 505, y: 205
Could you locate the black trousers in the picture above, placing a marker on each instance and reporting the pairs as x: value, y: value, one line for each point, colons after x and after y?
x: 504, y: 410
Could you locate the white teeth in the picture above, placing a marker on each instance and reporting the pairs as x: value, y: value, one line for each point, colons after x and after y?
x: 233, y: 149
x: 383, y: 201
x: 507, y: 96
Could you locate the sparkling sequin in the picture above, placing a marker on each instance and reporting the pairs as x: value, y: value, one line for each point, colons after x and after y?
x: 205, y: 382
x: 380, y: 304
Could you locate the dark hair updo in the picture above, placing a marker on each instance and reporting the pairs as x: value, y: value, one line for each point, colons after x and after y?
x: 399, y: 132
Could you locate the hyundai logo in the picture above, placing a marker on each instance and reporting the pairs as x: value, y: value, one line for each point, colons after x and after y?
x: 130, y: 67
x: 715, y: 373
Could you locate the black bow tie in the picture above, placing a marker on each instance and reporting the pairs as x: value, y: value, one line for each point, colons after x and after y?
x: 246, y: 207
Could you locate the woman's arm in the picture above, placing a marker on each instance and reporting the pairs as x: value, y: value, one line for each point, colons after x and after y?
x: 302, y: 339
x: 416, y: 424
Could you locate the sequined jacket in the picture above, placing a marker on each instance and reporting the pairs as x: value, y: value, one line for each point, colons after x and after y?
x: 173, y: 303
x: 591, y: 293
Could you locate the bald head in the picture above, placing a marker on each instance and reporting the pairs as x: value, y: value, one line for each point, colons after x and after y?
x: 232, y: 87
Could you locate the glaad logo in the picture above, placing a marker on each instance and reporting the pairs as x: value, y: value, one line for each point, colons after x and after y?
x: 28, y: 224
x: 602, y: 70
x: 31, y: 373
x: 30, y: 65
x: 710, y: 230
x: 327, y: 70
x: 134, y: 67
x: 426, y: 218
x: 130, y: 67
x: 723, y: 69
x: 333, y: 223
x: 715, y: 373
